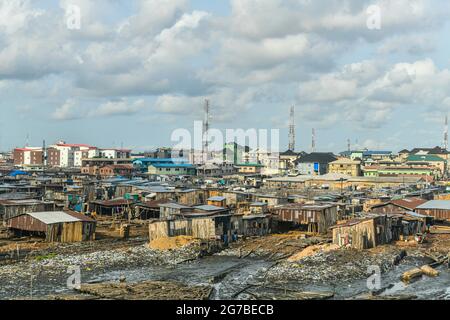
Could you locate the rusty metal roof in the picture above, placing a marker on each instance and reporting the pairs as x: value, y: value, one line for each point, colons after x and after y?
x: 409, y: 203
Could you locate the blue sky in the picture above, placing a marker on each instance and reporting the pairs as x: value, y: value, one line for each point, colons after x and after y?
x: 137, y: 70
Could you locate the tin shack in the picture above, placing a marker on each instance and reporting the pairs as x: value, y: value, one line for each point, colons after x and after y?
x: 368, y: 232
x: 438, y: 209
x: 54, y: 226
x: 315, y: 218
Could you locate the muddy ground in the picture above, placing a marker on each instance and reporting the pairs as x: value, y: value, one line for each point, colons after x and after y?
x: 275, y: 266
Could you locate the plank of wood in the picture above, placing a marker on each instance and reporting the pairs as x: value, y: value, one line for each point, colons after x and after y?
x: 411, y: 274
x: 429, y: 271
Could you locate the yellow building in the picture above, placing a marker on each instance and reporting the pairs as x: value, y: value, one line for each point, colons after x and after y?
x: 249, y: 168
x: 345, y: 166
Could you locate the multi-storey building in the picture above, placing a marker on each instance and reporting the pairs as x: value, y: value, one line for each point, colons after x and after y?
x: 28, y: 156
x: 69, y: 155
x: 115, y: 153
x: 345, y: 166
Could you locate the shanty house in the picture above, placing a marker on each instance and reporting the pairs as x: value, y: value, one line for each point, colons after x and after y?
x: 217, y: 201
x: 414, y: 222
x: 438, y: 209
x: 171, y: 209
x: 55, y: 226
x: 255, y: 225
x: 258, y: 208
x: 398, y: 205
x: 271, y: 200
x: 147, y: 209
x: 201, y: 226
x: 233, y: 198
x: 367, y: 232
x: 12, y: 208
x: 190, y: 197
x: 317, y: 218
x: 111, y: 207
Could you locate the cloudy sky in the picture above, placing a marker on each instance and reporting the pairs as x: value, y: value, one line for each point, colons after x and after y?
x: 137, y: 70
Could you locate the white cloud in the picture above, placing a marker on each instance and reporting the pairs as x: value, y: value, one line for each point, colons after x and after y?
x: 68, y: 111
x: 72, y: 109
x: 265, y: 54
x: 120, y: 107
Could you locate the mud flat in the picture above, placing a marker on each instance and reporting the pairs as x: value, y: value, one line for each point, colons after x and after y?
x: 147, y: 290
x: 49, y: 270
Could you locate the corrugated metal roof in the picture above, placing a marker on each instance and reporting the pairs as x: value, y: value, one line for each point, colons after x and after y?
x: 174, y: 205
x: 208, y: 208
x: 409, y: 203
x: 435, y: 204
x: 52, y: 217
x: 415, y: 214
x: 216, y: 198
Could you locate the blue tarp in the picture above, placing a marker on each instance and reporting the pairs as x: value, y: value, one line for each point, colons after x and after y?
x: 16, y: 173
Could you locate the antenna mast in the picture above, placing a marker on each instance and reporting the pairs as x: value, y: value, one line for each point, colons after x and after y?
x: 313, y: 141
x: 446, y: 133
x: 292, y: 129
x: 205, y: 131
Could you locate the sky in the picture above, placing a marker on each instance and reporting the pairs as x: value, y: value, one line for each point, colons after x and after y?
x: 134, y: 71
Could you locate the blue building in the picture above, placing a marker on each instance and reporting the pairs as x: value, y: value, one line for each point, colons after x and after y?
x: 144, y: 163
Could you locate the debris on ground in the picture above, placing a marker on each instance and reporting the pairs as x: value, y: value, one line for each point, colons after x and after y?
x: 275, y: 245
x: 332, y: 266
x: 429, y: 271
x: 146, y: 290
x: 407, y: 276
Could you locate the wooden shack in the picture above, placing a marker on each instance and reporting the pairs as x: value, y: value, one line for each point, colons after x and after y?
x: 398, y: 205
x: 147, y: 209
x: 414, y: 223
x: 12, y: 208
x: 317, y: 218
x: 54, y: 226
x: 171, y: 209
x: 114, y: 207
x: 438, y: 209
x: 191, y: 197
x: 218, y: 201
x: 233, y: 198
x: 368, y: 232
x: 197, y: 226
x: 255, y: 225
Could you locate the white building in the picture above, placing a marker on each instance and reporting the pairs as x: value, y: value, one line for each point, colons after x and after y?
x: 270, y: 160
x: 115, y: 153
x: 70, y: 155
x: 83, y: 153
